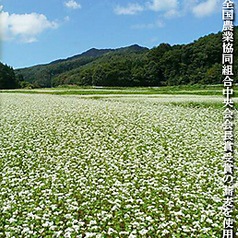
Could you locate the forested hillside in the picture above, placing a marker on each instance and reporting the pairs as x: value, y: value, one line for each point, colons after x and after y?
x: 195, y: 63
x: 7, y: 77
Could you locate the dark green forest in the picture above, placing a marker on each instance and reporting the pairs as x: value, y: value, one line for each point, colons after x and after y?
x: 7, y: 77
x: 196, y: 63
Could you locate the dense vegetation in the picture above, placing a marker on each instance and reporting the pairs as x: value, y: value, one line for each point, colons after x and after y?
x: 112, y: 167
x: 195, y: 63
x: 7, y: 77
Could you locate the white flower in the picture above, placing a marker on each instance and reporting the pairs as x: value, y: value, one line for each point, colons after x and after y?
x: 209, y: 220
x: 68, y: 216
x: 90, y: 234
x: 143, y: 232
x: 26, y: 230
x: 132, y: 236
x: 110, y: 231
x: 11, y: 220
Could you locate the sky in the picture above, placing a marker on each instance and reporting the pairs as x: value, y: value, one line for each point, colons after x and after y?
x: 36, y: 32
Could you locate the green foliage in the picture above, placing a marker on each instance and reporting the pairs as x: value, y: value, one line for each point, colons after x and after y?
x: 27, y: 85
x: 195, y: 63
x: 7, y: 77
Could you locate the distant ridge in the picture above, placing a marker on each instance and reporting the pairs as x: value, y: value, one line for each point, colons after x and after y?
x: 93, y: 52
x: 198, y: 62
x: 89, y: 53
x: 42, y: 74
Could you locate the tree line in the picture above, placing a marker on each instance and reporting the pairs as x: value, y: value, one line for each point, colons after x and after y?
x: 185, y: 64
x: 7, y: 77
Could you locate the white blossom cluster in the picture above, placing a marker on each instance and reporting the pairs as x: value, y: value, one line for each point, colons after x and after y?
x: 109, y: 167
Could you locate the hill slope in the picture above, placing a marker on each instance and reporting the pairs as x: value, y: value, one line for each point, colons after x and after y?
x: 197, y: 62
x: 42, y: 75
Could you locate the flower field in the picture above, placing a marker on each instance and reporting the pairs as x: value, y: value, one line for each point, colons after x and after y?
x: 109, y: 167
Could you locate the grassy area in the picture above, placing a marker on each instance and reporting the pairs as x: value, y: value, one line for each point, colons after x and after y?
x: 165, y: 88
x: 75, y: 90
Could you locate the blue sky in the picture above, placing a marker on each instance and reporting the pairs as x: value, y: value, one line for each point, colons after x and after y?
x: 35, y: 32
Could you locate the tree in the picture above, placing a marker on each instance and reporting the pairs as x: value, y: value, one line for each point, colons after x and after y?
x: 7, y: 77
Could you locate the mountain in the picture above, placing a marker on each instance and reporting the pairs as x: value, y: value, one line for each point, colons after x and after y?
x: 90, y: 53
x: 99, y: 52
x: 42, y: 74
x: 196, y: 62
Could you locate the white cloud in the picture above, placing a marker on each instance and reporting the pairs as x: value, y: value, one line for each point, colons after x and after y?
x: 67, y: 18
x: 158, y: 24
x: 206, y: 8
x: 162, y: 5
x: 173, y: 13
x: 72, y: 4
x: 26, y: 27
x: 172, y: 8
x: 131, y: 9
x: 153, y: 40
x: 143, y: 26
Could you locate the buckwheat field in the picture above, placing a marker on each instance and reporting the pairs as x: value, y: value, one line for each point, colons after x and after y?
x: 111, y: 166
